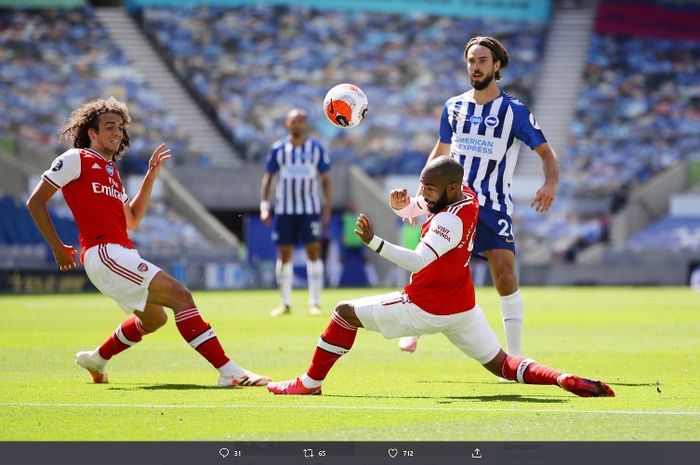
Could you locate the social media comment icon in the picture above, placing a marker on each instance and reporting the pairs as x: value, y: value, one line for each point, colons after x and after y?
x: 223, y: 452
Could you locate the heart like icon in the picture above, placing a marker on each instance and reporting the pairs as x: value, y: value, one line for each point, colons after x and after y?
x: 392, y: 453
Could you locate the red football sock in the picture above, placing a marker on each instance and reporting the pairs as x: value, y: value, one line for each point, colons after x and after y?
x: 335, y: 341
x: 200, y: 336
x: 126, y: 335
x: 527, y: 371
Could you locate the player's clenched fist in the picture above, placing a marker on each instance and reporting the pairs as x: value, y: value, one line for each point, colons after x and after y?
x: 399, y: 198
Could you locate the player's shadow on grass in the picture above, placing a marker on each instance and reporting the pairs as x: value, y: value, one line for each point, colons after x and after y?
x: 163, y: 387
x: 485, y: 398
x: 506, y: 398
x: 655, y: 383
x: 492, y: 382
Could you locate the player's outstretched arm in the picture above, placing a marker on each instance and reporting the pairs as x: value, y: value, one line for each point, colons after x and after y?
x: 37, y: 208
x: 136, y: 209
x: 427, y: 251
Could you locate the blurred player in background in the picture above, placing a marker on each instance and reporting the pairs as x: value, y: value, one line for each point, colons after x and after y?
x: 439, y: 299
x: 300, y: 214
x: 88, y: 177
x: 482, y: 129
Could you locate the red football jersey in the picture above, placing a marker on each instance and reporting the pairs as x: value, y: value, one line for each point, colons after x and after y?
x: 445, y: 286
x: 94, y: 193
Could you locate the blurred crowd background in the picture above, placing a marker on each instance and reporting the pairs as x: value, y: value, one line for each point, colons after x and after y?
x: 636, y: 116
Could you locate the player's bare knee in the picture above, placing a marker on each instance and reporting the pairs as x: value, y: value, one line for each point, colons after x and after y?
x: 152, y: 318
x: 347, y: 312
x: 183, y: 297
x: 343, y: 309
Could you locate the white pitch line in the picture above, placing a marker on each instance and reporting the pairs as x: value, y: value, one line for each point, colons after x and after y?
x: 339, y: 407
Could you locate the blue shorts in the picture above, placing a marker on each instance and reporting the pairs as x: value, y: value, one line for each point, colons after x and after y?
x: 493, y: 231
x: 295, y: 229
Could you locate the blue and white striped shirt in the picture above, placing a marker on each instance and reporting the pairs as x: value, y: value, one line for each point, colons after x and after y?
x: 299, y: 169
x: 486, y: 139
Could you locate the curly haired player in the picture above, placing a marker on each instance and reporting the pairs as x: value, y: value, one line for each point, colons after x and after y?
x: 88, y: 177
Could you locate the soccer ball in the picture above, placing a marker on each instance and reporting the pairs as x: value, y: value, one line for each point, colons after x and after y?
x: 345, y: 105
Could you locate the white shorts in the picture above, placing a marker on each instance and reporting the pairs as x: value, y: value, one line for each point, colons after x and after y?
x: 121, y: 274
x: 394, y: 315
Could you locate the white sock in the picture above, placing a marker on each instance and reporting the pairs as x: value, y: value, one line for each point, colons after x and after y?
x: 231, y: 370
x: 285, y: 277
x: 513, y: 311
x: 308, y: 382
x: 95, y: 355
x: 314, y: 275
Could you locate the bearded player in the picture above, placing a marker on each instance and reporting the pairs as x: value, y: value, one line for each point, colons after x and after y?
x: 439, y: 299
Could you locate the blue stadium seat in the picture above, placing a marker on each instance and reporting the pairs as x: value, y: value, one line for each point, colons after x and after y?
x: 672, y: 233
x: 251, y: 97
x: 59, y: 58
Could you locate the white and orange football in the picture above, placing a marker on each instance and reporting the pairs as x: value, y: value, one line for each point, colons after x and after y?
x: 345, y: 105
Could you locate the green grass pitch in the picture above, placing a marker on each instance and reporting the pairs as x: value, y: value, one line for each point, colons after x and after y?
x: 644, y: 342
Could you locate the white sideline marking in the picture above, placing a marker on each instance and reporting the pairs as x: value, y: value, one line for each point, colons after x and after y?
x: 338, y: 407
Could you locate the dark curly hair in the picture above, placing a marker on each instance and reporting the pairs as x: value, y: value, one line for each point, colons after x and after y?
x: 498, y: 51
x: 87, y: 116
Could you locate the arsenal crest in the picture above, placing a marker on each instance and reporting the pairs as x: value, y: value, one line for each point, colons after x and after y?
x: 110, y: 170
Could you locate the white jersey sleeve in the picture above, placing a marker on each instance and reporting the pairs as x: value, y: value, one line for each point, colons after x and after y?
x: 410, y: 260
x: 64, y: 169
x: 417, y: 206
x: 445, y: 233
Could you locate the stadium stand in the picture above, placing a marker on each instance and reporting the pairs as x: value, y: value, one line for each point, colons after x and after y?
x: 52, y: 61
x: 252, y: 63
x: 17, y: 227
x: 181, y: 234
x: 674, y: 233
x: 55, y: 59
x: 636, y: 116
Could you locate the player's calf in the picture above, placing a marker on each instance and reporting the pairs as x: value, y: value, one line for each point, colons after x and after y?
x: 527, y: 371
